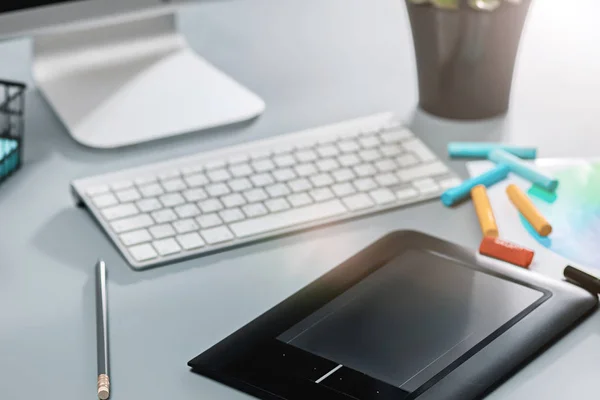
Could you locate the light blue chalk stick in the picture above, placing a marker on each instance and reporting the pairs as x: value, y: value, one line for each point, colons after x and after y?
x: 524, y: 170
x: 483, y: 149
x: 462, y: 191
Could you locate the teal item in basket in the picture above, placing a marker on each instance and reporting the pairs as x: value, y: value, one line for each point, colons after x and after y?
x: 9, y: 156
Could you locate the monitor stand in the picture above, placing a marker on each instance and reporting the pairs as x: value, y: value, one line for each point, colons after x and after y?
x: 120, y: 84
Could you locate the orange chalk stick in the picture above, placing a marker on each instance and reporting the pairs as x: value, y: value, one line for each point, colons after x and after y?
x: 506, y: 251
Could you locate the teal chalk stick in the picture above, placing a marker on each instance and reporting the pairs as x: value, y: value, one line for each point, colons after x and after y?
x: 483, y: 149
x: 525, y: 170
x: 462, y: 191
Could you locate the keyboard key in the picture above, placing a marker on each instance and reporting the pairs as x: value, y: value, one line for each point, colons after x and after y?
x: 343, y: 189
x: 210, y: 205
x: 121, y: 211
x: 165, y: 176
x: 162, y: 231
x: 299, y: 200
x: 187, y: 211
x: 185, y: 225
x: 147, y: 205
x: 426, y: 186
x: 278, y: 190
x: 105, y: 200
x: 369, y: 142
x: 349, y: 160
x: 171, y: 199
x: 239, y: 185
x: 238, y: 159
x: 132, y: 223
x: 219, y: 175
x: 419, y: 149
x: 255, y: 195
x: 407, y: 160
x: 382, y: 196
x: 121, y: 185
x: 364, y: 170
x: 343, y: 175
x: 369, y: 155
x: 257, y: 155
x: 196, y: 180
x: 241, y: 170
x: 358, y: 201
x: 306, y: 156
x: 143, y: 252
x: 391, y: 150
x: 322, y: 194
x: 449, y: 183
x: 233, y: 200
x: 406, y: 194
x: 166, y: 246
x: 322, y: 180
x: 261, y: 180
x: 209, y: 220
x: 174, y: 185
x: 288, y: 218
x: 284, y: 175
x: 192, y: 169
x: 215, y: 164
x: 396, y: 135
x: 254, y: 210
x: 128, y: 195
x: 190, y: 241
x: 386, y: 165
x: 232, y: 215
x: 96, y: 190
x: 163, y: 216
x: 306, y: 169
x: 300, y: 185
x: 328, y: 151
x: 422, y: 171
x: 348, y: 146
x: 217, y: 189
x: 135, y: 237
x: 217, y: 235
x: 387, y: 179
x: 365, y: 184
x: 144, y: 180
x: 283, y: 149
x: 263, y: 165
x: 152, y: 190
x: 328, y: 164
x: 275, y: 205
x: 284, y: 160
x: 195, y: 194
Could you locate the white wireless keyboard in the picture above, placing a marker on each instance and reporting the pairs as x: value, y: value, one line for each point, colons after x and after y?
x: 187, y: 207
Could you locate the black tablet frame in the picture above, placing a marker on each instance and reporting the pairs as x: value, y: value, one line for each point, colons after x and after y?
x: 254, y: 361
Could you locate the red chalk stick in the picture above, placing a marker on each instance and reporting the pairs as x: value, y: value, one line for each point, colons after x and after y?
x: 506, y: 251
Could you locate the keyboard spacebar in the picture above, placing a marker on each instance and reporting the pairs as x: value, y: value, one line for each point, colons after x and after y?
x: 284, y: 219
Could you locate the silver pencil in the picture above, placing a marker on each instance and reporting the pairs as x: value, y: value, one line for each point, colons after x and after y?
x: 102, y: 331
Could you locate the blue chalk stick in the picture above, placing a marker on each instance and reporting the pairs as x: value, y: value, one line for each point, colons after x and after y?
x: 482, y: 150
x: 524, y: 170
x: 462, y: 191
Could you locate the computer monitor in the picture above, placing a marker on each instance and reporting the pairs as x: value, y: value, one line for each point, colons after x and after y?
x: 118, y: 72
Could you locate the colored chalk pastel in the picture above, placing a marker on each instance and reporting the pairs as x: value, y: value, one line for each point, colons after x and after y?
x: 523, y: 169
x: 528, y: 210
x: 462, y: 191
x: 483, y: 208
x: 506, y: 251
x: 483, y: 149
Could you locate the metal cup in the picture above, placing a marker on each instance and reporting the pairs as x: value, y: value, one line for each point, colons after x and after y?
x: 465, y: 57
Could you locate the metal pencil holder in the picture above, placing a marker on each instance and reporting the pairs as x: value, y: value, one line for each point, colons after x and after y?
x: 12, y: 106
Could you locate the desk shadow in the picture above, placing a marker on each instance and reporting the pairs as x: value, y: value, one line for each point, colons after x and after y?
x: 73, y: 239
x: 437, y: 132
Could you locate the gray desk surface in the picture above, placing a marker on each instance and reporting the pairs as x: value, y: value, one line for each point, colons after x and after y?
x: 314, y: 62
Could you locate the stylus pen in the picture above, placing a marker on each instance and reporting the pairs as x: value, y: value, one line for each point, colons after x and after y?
x: 102, y: 331
x: 585, y: 280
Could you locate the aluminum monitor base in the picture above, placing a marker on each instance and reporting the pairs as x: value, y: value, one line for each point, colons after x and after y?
x: 120, y: 84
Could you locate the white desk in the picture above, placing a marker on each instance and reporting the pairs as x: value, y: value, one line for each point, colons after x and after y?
x: 314, y: 62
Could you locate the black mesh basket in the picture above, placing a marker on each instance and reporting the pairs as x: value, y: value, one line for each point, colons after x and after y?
x: 12, y: 105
